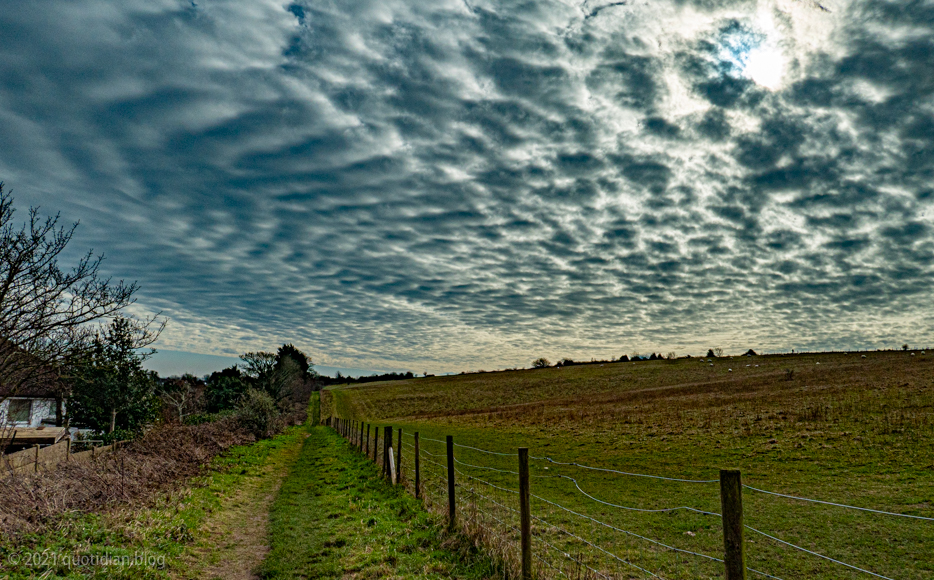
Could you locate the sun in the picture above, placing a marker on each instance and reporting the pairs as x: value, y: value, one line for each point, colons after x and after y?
x: 752, y: 51
x: 765, y: 65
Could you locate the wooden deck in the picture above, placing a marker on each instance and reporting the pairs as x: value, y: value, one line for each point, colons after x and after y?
x: 24, y: 437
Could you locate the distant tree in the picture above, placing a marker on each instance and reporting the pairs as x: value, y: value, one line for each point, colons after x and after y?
x: 304, y: 362
x: 258, y: 365
x: 718, y: 351
x: 183, y: 396
x: 710, y: 353
x: 541, y: 363
x: 905, y: 346
x: 224, y: 389
x: 750, y: 352
x: 110, y: 388
x: 653, y: 357
x: 671, y: 355
x: 624, y: 358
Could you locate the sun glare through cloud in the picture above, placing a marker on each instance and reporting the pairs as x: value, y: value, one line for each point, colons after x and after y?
x: 753, y: 51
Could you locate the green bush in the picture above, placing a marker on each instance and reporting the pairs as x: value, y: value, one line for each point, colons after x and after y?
x: 257, y: 412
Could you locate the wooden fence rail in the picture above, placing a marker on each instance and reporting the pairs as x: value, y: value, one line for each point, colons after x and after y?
x: 39, y: 458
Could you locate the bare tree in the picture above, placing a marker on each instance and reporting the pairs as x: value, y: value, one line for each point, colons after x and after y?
x: 44, y: 310
x: 183, y: 396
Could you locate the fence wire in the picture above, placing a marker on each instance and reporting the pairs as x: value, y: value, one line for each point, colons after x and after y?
x: 484, y: 511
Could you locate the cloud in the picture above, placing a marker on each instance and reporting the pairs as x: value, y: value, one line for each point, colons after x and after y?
x: 459, y: 185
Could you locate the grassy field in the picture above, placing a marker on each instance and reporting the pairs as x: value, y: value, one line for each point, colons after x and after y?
x: 836, y: 427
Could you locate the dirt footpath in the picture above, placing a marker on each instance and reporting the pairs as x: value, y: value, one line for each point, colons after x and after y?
x: 232, y: 542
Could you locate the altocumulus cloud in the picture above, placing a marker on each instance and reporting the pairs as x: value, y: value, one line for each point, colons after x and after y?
x: 462, y: 184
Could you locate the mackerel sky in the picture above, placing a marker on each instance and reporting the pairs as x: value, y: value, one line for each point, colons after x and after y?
x: 464, y: 184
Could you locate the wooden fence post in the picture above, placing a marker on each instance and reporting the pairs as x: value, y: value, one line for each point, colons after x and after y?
x: 360, y: 438
x: 366, y: 450
x: 387, y: 441
x: 731, y: 503
x: 68, y: 449
x: 525, y: 519
x: 451, y: 506
x: 399, y: 457
x: 418, y: 474
x: 36, y: 465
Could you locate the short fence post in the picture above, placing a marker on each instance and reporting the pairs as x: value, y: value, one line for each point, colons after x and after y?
x: 399, y: 457
x: 418, y: 475
x: 451, y: 506
x: 366, y: 450
x: 36, y: 466
x: 525, y: 520
x: 360, y: 438
x: 387, y: 441
x: 731, y: 503
x: 68, y: 449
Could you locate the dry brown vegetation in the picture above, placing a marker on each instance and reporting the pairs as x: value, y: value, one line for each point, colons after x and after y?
x: 133, y: 474
x: 886, y: 391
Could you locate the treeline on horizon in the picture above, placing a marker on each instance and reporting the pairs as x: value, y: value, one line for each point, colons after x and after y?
x: 324, y: 381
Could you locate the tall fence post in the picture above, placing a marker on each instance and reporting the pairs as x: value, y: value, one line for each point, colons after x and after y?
x: 36, y: 465
x: 525, y: 518
x: 375, y: 441
x: 731, y: 504
x: 387, y: 441
x: 366, y: 451
x: 418, y: 474
x: 68, y: 449
x: 451, y: 506
x: 399, y: 457
x: 360, y: 439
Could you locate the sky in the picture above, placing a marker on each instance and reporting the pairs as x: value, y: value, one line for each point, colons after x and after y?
x: 472, y: 184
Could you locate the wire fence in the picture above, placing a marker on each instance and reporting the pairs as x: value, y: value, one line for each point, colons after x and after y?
x: 596, y: 522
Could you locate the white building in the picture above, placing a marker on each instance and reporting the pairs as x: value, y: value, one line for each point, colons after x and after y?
x: 29, y: 410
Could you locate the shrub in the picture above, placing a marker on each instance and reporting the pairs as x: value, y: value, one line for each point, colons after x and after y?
x: 258, y: 413
x: 541, y: 363
x: 162, y: 458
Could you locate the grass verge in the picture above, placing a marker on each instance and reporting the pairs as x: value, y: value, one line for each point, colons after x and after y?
x: 336, y: 518
x: 157, y: 542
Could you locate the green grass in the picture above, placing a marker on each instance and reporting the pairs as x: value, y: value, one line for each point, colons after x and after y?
x: 335, y: 518
x: 851, y: 430
x: 161, y: 533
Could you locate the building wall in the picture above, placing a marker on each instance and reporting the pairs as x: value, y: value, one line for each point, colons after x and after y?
x: 41, y: 409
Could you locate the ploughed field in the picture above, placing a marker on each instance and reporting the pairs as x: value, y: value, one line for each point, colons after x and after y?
x: 833, y: 427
